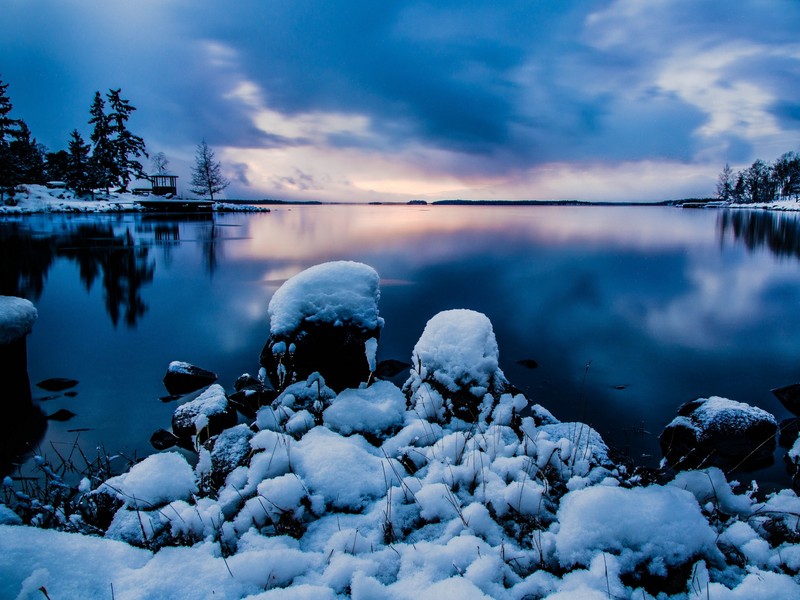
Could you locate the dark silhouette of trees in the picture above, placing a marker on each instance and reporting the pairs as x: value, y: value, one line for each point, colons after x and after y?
x: 79, y: 171
x: 761, y: 181
x: 207, y: 176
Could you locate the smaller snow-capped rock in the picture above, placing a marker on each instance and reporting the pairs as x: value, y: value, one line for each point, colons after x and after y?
x: 205, y: 416
x: 719, y: 432
x: 455, y: 369
x: 183, y: 378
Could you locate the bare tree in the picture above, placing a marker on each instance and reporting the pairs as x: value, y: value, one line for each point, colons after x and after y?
x: 207, y: 176
x: 160, y: 163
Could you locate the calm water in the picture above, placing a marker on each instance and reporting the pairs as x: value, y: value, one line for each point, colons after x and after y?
x: 651, y: 306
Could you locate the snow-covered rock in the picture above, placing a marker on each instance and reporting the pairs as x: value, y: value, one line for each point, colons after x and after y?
x: 17, y: 317
x: 182, y: 377
x: 455, y: 370
x: 205, y: 416
x: 324, y: 319
x: 157, y: 480
x: 719, y: 432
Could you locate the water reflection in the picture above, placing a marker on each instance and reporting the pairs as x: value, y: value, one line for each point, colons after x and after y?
x: 779, y: 232
x: 119, y: 259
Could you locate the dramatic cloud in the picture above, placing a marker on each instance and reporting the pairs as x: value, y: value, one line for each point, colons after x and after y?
x: 365, y: 101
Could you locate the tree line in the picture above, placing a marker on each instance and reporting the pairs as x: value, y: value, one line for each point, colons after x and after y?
x: 762, y: 181
x: 110, y: 159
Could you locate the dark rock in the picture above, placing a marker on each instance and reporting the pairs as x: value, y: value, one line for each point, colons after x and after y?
x: 182, y: 378
x: 389, y: 368
x: 528, y: 363
x: 170, y: 398
x: 205, y: 416
x: 245, y: 381
x: 61, y: 415
x: 789, y: 432
x: 56, y: 384
x: 163, y: 439
x: 337, y: 352
x: 789, y: 396
x: 248, y: 400
x: 719, y: 432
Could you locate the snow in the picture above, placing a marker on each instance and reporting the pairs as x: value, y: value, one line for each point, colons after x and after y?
x: 375, y: 409
x: 17, y: 317
x: 458, y: 349
x: 212, y: 401
x: 662, y: 526
x: 336, y: 292
x: 157, y: 480
x: 34, y: 198
x: 729, y: 414
x: 372, y: 494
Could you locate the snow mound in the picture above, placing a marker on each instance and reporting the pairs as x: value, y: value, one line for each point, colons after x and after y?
x: 157, y: 480
x: 723, y: 413
x: 658, y: 526
x: 375, y: 409
x: 17, y: 317
x: 458, y: 349
x: 337, y: 292
x: 347, y: 472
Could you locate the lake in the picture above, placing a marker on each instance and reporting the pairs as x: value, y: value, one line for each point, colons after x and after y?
x: 628, y: 311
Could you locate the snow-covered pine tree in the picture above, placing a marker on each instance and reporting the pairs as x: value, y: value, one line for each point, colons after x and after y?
x: 207, y: 176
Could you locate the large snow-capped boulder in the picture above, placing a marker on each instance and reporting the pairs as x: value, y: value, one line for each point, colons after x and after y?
x: 207, y: 415
x: 455, y: 370
x: 24, y: 422
x: 719, y: 432
x: 324, y: 319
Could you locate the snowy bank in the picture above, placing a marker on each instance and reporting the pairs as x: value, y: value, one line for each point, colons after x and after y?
x: 41, y: 199
x: 376, y: 491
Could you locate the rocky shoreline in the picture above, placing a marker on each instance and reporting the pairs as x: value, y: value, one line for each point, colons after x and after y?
x: 335, y: 483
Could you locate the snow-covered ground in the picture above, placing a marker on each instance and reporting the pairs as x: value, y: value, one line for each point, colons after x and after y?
x: 784, y: 205
x: 39, y: 199
x: 379, y: 492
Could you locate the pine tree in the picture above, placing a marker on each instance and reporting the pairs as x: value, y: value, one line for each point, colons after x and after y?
x: 9, y: 132
x: 78, y: 165
x: 127, y: 147
x: 102, y: 166
x: 28, y: 156
x: 207, y: 176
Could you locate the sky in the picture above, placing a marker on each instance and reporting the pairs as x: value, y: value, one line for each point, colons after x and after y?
x: 357, y: 100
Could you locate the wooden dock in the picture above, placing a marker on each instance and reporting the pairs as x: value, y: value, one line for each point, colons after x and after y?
x: 176, y: 205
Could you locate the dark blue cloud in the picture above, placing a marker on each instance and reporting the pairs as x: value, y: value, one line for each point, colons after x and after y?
x: 505, y: 86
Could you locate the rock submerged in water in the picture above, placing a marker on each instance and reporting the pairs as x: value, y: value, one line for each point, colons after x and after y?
x: 719, y: 432
x: 324, y: 320
x: 789, y: 396
x: 184, y: 378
